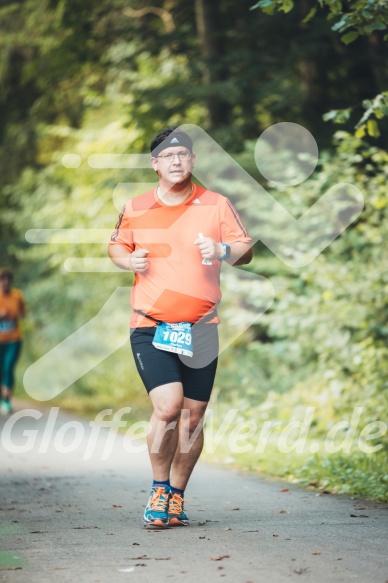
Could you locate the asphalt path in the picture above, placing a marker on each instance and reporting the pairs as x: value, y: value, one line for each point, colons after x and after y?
x: 75, y: 515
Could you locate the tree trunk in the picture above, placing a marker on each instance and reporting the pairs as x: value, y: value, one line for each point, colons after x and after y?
x: 209, y: 29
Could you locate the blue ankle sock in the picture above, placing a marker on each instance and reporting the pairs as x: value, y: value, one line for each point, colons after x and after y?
x: 165, y: 483
x: 173, y: 490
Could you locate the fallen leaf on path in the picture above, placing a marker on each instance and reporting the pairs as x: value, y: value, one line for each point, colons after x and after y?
x: 10, y: 568
x: 162, y: 558
x: 284, y: 490
x: 138, y: 544
x: 282, y: 511
x: 316, y: 553
x: 359, y: 516
x: 116, y: 506
x: 220, y: 558
x: 275, y: 535
x: 227, y: 529
x: 235, y: 508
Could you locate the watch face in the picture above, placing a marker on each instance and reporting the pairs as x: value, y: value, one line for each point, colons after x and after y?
x: 226, y: 254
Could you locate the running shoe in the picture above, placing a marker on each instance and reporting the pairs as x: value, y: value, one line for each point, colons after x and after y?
x: 176, y: 513
x: 155, y: 513
x: 5, y: 407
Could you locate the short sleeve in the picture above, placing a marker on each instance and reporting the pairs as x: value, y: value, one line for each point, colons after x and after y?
x: 123, y: 235
x: 232, y: 227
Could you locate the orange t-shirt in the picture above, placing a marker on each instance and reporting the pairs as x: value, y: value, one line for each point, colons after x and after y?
x: 12, y: 305
x: 177, y: 287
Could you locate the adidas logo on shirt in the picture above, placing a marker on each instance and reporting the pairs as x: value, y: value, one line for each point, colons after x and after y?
x: 196, y: 201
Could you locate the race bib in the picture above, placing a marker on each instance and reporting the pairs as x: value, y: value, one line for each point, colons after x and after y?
x: 7, y: 325
x: 176, y: 338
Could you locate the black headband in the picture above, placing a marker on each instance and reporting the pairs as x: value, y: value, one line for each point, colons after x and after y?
x: 174, y: 139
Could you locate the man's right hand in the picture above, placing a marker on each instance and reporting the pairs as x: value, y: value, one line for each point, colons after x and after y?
x: 138, y: 262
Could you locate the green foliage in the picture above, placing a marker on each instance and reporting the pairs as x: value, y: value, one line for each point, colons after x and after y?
x: 361, y: 475
x: 269, y: 6
x: 323, y: 343
x: 375, y: 109
x: 364, y: 18
x: 90, y: 78
x: 60, y: 301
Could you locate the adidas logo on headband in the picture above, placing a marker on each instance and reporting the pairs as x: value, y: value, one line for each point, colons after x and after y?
x: 174, y: 141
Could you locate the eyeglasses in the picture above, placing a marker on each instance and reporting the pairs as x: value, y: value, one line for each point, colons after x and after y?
x: 183, y: 156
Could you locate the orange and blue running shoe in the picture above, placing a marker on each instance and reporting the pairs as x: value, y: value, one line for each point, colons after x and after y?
x: 176, y: 513
x: 156, y: 510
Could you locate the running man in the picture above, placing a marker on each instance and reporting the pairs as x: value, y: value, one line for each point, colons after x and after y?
x: 11, y: 309
x: 175, y: 238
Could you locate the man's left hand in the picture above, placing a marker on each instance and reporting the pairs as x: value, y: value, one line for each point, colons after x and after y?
x: 209, y: 248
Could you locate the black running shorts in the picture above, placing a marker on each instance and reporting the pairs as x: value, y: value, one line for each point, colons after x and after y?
x: 157, y: 367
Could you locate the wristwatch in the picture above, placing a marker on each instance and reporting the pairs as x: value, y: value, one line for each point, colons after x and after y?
x: 227, y: 250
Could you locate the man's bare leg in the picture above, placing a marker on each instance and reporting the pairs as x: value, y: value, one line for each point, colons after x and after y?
x: 162, y: 443
x: 189, y: 449
x: 190, y: 442
x: 163, y: 433
x: 175, y: 442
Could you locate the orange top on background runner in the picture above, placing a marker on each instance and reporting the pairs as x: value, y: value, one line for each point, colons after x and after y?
x: 13, y: 304
x: 177, y: 287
